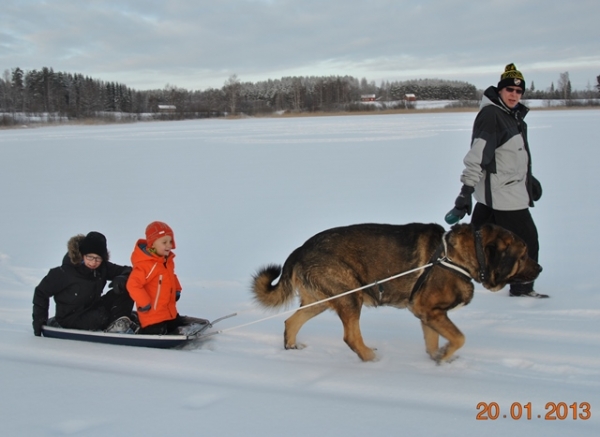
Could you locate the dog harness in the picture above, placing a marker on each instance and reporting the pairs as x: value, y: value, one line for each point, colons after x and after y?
x: 446, y: 262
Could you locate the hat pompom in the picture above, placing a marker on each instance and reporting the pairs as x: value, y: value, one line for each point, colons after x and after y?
x: 508, y: 70
x: 511, y: 77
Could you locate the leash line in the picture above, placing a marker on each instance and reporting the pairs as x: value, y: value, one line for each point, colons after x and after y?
x: 390, y: 278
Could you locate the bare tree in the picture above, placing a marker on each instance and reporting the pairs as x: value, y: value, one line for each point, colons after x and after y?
x: 232, y: 90
x: 5, y: 92
x: 564, y: 86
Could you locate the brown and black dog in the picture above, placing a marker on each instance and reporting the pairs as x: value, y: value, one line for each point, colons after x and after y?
x: 338, y: 260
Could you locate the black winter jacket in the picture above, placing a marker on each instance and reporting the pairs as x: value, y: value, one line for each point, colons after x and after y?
x: 75, y: 288
x: 498, y: 164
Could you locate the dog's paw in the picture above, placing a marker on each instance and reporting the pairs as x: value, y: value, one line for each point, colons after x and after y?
x: 296, y: 346
x: 452, y: 359
x: 368, y: 355
x: 441, y: 355
x: 446, y: 360
x: 376, y: 358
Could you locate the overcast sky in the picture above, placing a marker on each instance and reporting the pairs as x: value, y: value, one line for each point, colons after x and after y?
x: 198, y: 44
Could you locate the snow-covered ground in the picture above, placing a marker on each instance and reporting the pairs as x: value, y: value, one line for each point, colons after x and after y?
x: 244, y: 193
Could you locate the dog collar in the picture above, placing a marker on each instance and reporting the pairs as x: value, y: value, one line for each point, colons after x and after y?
x: 479, y: 252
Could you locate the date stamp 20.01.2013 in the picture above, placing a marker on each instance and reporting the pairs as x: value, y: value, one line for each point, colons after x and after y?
x: 518, y: 411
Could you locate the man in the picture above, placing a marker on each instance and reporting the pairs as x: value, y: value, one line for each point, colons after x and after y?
x: 498, y: 169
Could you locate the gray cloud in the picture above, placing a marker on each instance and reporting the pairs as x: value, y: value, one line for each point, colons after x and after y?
x: 196, y: 44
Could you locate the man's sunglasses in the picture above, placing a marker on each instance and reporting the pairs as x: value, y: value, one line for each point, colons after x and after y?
x: 514, y: 90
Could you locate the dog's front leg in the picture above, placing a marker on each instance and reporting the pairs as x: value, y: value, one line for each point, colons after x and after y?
x: 444, y: 327
x: 455, y: 338
x: 432, y: 340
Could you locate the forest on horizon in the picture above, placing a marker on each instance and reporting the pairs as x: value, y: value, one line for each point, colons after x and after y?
x: 75, y: 96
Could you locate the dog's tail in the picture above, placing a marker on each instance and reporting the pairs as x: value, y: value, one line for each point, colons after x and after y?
x: 267, y: 294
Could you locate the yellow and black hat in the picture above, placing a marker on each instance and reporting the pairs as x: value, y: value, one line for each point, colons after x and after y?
x: 511, y: 77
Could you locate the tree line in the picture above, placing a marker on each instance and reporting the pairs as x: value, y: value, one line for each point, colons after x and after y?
x: 75, y: 96
x: 564, y: 91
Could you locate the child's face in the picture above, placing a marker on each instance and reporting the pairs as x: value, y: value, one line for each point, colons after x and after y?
x: 163, y: 245
x: 92, y: 261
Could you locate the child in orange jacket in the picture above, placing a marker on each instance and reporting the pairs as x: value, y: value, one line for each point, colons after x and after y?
x: 153, y: 284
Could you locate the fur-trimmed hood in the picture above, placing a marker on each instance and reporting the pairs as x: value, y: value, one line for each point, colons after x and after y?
x: 73, y: 252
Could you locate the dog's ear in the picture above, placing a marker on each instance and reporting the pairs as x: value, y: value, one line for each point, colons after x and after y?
x: 503, y: 251
x: 494, y: 251
x: 501, y: 263
x: 491, y: 253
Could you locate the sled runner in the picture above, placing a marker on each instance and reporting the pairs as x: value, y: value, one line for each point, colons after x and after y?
x: 192, y: 332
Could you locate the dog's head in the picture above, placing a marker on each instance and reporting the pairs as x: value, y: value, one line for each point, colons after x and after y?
x: 506, y: 258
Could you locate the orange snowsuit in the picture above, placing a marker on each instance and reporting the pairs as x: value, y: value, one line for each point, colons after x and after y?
x: 153, y: 281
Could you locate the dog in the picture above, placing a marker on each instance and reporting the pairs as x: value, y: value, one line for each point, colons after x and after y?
x: 362, y: 256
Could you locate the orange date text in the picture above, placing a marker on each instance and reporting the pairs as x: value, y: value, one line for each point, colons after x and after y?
x: 518, y: 411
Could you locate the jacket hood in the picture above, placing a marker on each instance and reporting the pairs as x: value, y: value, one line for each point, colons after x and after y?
x: 491, y: 97
x: 73, y: 252
x: 141, y: 254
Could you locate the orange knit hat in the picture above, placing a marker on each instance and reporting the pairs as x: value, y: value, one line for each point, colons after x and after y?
x: 156, y: 230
